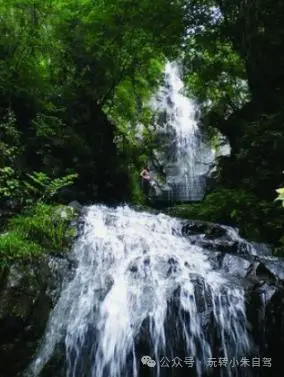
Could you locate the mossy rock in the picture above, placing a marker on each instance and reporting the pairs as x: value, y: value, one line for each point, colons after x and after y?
x: 43, y: 229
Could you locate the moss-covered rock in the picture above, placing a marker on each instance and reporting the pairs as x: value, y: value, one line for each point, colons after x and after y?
x: 38, y: 230
x: 258, y: 220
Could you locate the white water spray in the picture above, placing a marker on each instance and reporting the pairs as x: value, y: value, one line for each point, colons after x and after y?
x: 140, y: 286
x: 187, y: 159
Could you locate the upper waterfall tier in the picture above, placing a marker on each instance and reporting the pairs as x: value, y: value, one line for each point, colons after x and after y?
x: 181, y: 150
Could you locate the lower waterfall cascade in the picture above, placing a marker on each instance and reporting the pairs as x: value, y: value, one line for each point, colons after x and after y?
x: 149, y: 289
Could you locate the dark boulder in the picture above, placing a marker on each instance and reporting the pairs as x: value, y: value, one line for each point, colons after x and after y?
x: 28, y: 292
x: 209, y: 230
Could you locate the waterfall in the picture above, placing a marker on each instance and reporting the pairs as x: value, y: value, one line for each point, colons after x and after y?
x: 143, y: 293
x: 185, y: 156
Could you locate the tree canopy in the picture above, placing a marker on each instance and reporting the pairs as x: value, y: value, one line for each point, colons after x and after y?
x: 76, y: 74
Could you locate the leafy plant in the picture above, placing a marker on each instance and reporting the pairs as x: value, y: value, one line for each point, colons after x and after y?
x: 37, y: 186
x: 43, y: 187
x: 257, y: 220
x: 9, y: 183
x: 10, y: 140
x: 280, y: 197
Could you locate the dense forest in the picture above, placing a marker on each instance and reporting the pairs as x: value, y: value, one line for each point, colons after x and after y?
x: 76, y: 74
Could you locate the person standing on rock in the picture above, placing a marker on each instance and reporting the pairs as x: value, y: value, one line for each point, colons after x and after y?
x: 145, y: 174
x: 147, y: 180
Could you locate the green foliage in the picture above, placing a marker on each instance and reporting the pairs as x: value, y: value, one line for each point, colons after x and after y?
x: 16, y: 184
x: 257, y: 220
x: 37, y: 186
x: 14, y: 247
x: 10, y: 140
x: 224, y: 206
x: 9, y: 183
x: 280, y: 197
x: 214, y: 72
x: 256, y: 31
x: 137, y: 195
x: 258, y: 161
x: 48, y: 225
x: 129, y: 104
x: 40, y: 229
x: 63, y: 62
x: 44, y: 188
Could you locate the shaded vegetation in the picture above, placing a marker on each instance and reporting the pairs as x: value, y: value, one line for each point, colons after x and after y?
x: 75, y: 80
x: 258, y: 220
x: 67, y: 63
x: 73, y: 76
x: 234, y: 67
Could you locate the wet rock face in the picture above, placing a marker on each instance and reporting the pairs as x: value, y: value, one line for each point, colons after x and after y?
x: 263, y: 277
x: 235, y: 253
x: 209, y: 230
x: 216, y: 237
x: 28, y: 292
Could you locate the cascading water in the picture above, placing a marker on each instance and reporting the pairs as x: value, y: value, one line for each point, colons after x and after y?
x: 186, y: 158
x: 142, y: 288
